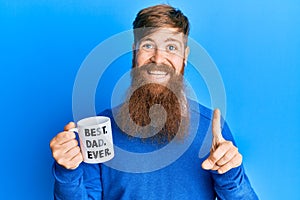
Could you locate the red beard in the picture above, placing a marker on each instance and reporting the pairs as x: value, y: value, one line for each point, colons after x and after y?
x: 155, y: 111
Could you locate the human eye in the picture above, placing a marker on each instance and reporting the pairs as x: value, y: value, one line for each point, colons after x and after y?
x: 147, y: 46
x: 172, y: 48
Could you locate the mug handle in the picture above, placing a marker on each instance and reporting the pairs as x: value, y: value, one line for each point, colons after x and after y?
x: 75, y: 130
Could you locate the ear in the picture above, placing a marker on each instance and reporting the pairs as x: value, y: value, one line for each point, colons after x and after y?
x: 186, y: 54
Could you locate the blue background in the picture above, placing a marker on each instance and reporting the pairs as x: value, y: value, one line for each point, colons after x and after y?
x: 255, y: 44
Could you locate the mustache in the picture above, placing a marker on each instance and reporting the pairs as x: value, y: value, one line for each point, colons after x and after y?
x: 157, y: 67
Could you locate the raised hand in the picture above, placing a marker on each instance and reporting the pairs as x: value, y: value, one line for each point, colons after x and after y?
x: 223, y: 154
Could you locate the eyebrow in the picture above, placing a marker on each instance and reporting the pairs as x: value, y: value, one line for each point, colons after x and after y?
x: 167, y: 40
x: 173, y: 40
x: 146, y: 39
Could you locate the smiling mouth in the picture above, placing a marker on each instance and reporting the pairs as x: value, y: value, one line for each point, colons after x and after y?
x: 157, y: 76
x: 157, y: 73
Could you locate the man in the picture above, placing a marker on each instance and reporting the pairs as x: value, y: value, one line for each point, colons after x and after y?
x: 156, y: 113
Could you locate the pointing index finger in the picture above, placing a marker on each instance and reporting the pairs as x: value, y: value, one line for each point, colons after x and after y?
x: 216, y: 126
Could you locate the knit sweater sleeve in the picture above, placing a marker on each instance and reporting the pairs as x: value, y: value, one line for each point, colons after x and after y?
x: 233, y: 184
x: 82, y: 183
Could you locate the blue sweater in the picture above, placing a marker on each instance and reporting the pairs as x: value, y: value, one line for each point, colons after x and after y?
x: 181, y: 179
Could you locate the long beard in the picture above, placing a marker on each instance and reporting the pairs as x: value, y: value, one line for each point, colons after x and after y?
x: 153, y: 110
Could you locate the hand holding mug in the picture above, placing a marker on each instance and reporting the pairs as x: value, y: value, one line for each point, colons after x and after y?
x: 96, y: 145
x: 65, y: 149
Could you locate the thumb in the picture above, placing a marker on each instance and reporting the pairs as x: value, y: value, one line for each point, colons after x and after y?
x: 69, y: 126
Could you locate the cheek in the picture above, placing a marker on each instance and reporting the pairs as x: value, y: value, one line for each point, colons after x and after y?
x: 178, y: 63
x: 141, y: 59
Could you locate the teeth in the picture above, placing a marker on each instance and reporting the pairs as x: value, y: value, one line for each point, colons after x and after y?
x: 154, y: 72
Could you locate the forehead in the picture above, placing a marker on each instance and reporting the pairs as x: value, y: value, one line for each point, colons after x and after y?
x: 165, y: 35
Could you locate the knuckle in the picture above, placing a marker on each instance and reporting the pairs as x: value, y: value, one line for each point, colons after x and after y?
x: 73, y: 152
x: 65, y: 135
x: 68, y: 148
x: 70, y: 165
x: 77, y: 150
x: 61, y: 161
x: 229, y: 166
x: 61, y: 134
x: 231, y: 163
x: 240, y: 159
x: 229, y: 143
x: 74, y: 143
x: 213, y: 158
x: 55, y: 154
x: 79, y: 158
x: 224, y: 146
x: 235, y: 149
x: 227, y: 157
x: 55, y: 147
x: 52, y: 142
x: 71, y: 144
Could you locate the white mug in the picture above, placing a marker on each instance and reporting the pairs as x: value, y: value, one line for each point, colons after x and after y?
x: 95, y: 137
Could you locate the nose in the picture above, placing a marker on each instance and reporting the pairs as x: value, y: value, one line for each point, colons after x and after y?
x: 158, y: 56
